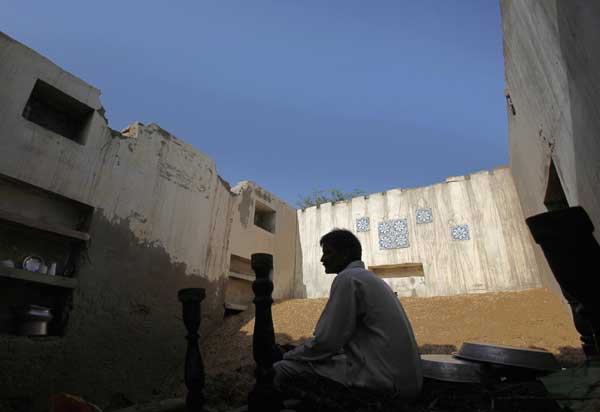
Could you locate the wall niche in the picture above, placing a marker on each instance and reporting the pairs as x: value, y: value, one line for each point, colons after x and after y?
x: 43, y: 239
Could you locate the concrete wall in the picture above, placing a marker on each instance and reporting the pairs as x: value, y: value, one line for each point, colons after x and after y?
x: 552, y: 63
x: 247, y: 238
x: 498, y: 255
x: 160, y: 223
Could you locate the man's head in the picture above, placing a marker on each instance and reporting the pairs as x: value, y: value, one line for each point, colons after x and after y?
x: 340, y: 247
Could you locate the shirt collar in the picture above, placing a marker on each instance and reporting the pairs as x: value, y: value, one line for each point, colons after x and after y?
x: 354, y: 264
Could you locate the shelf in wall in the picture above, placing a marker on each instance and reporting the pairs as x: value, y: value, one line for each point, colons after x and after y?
x: 235, y: 306
x: 27, y: 276
x: 242, y: 276
x: 46, y: 227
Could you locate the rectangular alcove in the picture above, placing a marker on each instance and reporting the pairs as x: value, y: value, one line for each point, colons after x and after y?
x: 58, y: 112
x: 264, y: 217
x: 238, y: 289
x: 405, y: 279
x: 239, y: 265
x: 401, y: 270
x: 52, y: 229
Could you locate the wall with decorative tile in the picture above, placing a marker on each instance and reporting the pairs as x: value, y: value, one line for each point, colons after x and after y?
x: 468, y: 232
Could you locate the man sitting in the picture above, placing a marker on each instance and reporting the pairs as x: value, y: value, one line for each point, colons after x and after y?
x: 363, y: 338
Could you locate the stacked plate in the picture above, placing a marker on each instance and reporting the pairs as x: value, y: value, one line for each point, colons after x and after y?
x: 450, y: 369
x: 479, y: 362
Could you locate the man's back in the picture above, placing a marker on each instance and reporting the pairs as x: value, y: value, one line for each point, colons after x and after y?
x: 383, y: 346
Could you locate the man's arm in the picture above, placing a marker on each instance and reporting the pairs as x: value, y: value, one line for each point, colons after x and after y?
x: 335, y: 326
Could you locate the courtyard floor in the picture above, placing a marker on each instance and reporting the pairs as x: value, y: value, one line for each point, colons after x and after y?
x: 534, y: 318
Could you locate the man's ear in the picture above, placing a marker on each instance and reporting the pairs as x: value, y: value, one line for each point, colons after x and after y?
x: 347, y: 257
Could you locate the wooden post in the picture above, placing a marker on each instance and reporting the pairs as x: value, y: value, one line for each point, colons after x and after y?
x: 194, y: 368
x: 263, y: 397
x: 567, y: 240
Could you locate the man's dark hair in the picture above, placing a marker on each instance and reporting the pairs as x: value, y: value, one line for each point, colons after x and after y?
x: 343, y: 240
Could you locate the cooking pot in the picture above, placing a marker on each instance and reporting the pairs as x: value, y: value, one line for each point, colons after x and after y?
x: 33, y: 320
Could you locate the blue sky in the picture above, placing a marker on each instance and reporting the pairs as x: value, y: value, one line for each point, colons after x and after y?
x: 294, y: 95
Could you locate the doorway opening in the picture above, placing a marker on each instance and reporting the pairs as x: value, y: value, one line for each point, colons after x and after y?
x: 555, y: 198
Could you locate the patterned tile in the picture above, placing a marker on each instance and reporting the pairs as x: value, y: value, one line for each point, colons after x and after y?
x: 393, y: 234
x: 363, y: 224
x: 424, y: 216
x: 460, y: 232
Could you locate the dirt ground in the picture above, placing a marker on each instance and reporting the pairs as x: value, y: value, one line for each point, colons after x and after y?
x: 529, y: 319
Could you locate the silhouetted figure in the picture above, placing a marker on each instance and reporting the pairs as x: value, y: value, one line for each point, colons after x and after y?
x: 363, y: 339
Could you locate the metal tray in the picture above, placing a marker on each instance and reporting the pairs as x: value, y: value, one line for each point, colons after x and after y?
x: 450, y: 369
x: 508, y: 355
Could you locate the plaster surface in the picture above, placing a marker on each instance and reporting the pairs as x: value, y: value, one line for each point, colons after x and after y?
x: 160, y: 222
x: 162, y: 219
x: 247, y: 238
x: 552, y: 65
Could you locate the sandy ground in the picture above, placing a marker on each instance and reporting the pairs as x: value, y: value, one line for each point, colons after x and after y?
x: 529, y: 319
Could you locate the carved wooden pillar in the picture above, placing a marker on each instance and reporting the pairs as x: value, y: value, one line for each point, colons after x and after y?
x: 194, y: 368
x: 263, y: 397
x: 567, y: 240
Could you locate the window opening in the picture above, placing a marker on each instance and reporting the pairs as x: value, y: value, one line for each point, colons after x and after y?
x: 555, y: 198
x: 264, y: 217
x: 58, y: 112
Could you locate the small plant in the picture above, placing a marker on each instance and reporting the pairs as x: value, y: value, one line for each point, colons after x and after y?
x: 318, y: 197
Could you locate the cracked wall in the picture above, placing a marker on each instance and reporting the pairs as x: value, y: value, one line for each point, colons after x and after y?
x: 552, y: 68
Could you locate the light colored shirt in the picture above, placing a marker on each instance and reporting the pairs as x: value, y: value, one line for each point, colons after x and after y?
x: 363, y: 337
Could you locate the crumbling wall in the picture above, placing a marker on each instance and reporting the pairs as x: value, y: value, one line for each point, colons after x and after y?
x: 279, y: 240
x: 552, y: 64
x: 495, y: 255
x: 160, y: 223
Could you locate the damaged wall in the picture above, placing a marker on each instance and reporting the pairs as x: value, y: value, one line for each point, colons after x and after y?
x: 160, y: 223
x: 278, y: 237
x: 492, y: 253
x: 552, y: 64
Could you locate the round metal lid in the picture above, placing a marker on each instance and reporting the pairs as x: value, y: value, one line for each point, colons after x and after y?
x: 508, y: 355
x: 450, y: 369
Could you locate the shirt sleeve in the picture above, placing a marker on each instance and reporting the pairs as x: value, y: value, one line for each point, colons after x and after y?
x: 335, y: 326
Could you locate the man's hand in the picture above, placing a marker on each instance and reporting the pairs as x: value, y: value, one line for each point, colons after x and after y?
x: 279, y: 350
x: 287, y: 347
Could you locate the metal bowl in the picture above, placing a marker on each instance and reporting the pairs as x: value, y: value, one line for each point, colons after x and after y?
x: 32, y: 328
x: 508, y: 355
x: 33, y: 263
x: 450, y: 369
